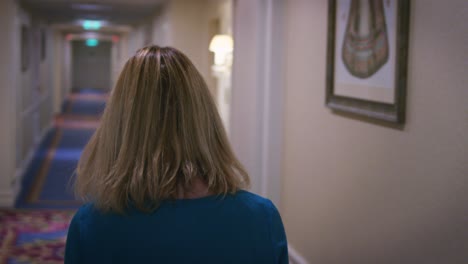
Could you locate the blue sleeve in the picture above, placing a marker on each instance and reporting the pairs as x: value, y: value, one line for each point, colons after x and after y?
x: 278, y: 237
x: 72, y: 248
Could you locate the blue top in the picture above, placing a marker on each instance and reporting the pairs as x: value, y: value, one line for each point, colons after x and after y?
x: 240, y: 228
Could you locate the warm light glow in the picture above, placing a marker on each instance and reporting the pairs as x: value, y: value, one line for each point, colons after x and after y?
x: 221, y: 43
x: 222, y: 46
x: 92, y: 42
x: 115, y: 38
x: 91, y: 25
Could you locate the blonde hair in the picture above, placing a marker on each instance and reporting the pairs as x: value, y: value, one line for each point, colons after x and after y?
x: 159, y: 131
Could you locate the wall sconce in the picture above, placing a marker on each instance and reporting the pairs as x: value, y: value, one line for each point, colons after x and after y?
x: 222, y: 46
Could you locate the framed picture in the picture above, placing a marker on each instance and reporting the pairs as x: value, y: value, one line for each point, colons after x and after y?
x: 24, y: 48
x: 367, y: 58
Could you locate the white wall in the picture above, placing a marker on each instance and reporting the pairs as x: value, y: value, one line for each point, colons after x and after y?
x: 257, y: 92
x: 247, y: 77
x: 357, y: 192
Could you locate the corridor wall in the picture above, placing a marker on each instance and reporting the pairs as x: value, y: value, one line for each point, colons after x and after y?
x: 358, y: 192
x: 33, y: 89
x: 256, y: 119
x: 26, y: 94
x: 8, y: 66
x: 118, y: 57
x: 185, y: 26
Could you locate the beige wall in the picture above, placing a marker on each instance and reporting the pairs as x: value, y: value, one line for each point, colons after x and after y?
x: 185, y: 25
x: 161, y: 34
x: 7, y: 104
x: 46, y: 80
x: 33, y: 86
x: 357, y: 192
x: 119, y: 57
x: 58, y: 42
x: 135, y: 40
x: 33, y: 89
x: 66, y: 68
x: 25, y: 96
x: 213, y: 10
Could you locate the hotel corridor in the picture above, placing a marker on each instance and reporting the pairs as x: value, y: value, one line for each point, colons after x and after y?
x: 35, y: 231
x: 47, y: 182
x: 351, y: 116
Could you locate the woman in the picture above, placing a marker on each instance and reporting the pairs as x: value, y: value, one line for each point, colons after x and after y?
x: 161, y: 181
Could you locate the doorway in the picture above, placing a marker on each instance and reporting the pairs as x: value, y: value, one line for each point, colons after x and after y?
x: 91, y: 65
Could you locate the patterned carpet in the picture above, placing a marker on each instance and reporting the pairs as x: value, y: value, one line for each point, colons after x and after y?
x: 35, y: 232
x: 33, y: 236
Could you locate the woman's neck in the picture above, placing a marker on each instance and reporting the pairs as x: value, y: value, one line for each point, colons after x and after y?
x: 197, y: 189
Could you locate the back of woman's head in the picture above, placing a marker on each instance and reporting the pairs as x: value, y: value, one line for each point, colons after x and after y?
x: 160, y: 131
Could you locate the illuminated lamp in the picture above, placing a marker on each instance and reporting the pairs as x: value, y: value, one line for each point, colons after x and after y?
x: 221, y: 45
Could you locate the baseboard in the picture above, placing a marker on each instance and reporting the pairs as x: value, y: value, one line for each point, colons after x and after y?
x: 18, y: 179
x: 295, y: 257
x: 6, y: 199
x: 27, y: 161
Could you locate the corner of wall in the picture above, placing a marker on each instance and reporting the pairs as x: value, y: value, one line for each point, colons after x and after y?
x: 295, y: 257
x: 6, y: 199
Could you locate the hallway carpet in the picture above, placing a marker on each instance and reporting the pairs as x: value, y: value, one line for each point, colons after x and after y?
x: 33, y: 236
x: 35, y: 232
x: 47, y: 181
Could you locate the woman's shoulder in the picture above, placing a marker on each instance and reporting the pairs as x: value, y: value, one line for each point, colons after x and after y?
x: 85, y: 210
x: 84, y: 214
x: 255, y: 202
x: 249, y: 201
x: 251, y: 197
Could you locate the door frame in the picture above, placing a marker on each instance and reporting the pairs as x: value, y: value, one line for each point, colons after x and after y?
x: 257, y: 93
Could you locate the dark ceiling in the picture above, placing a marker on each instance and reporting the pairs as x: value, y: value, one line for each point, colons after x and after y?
x: 120, y: 12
